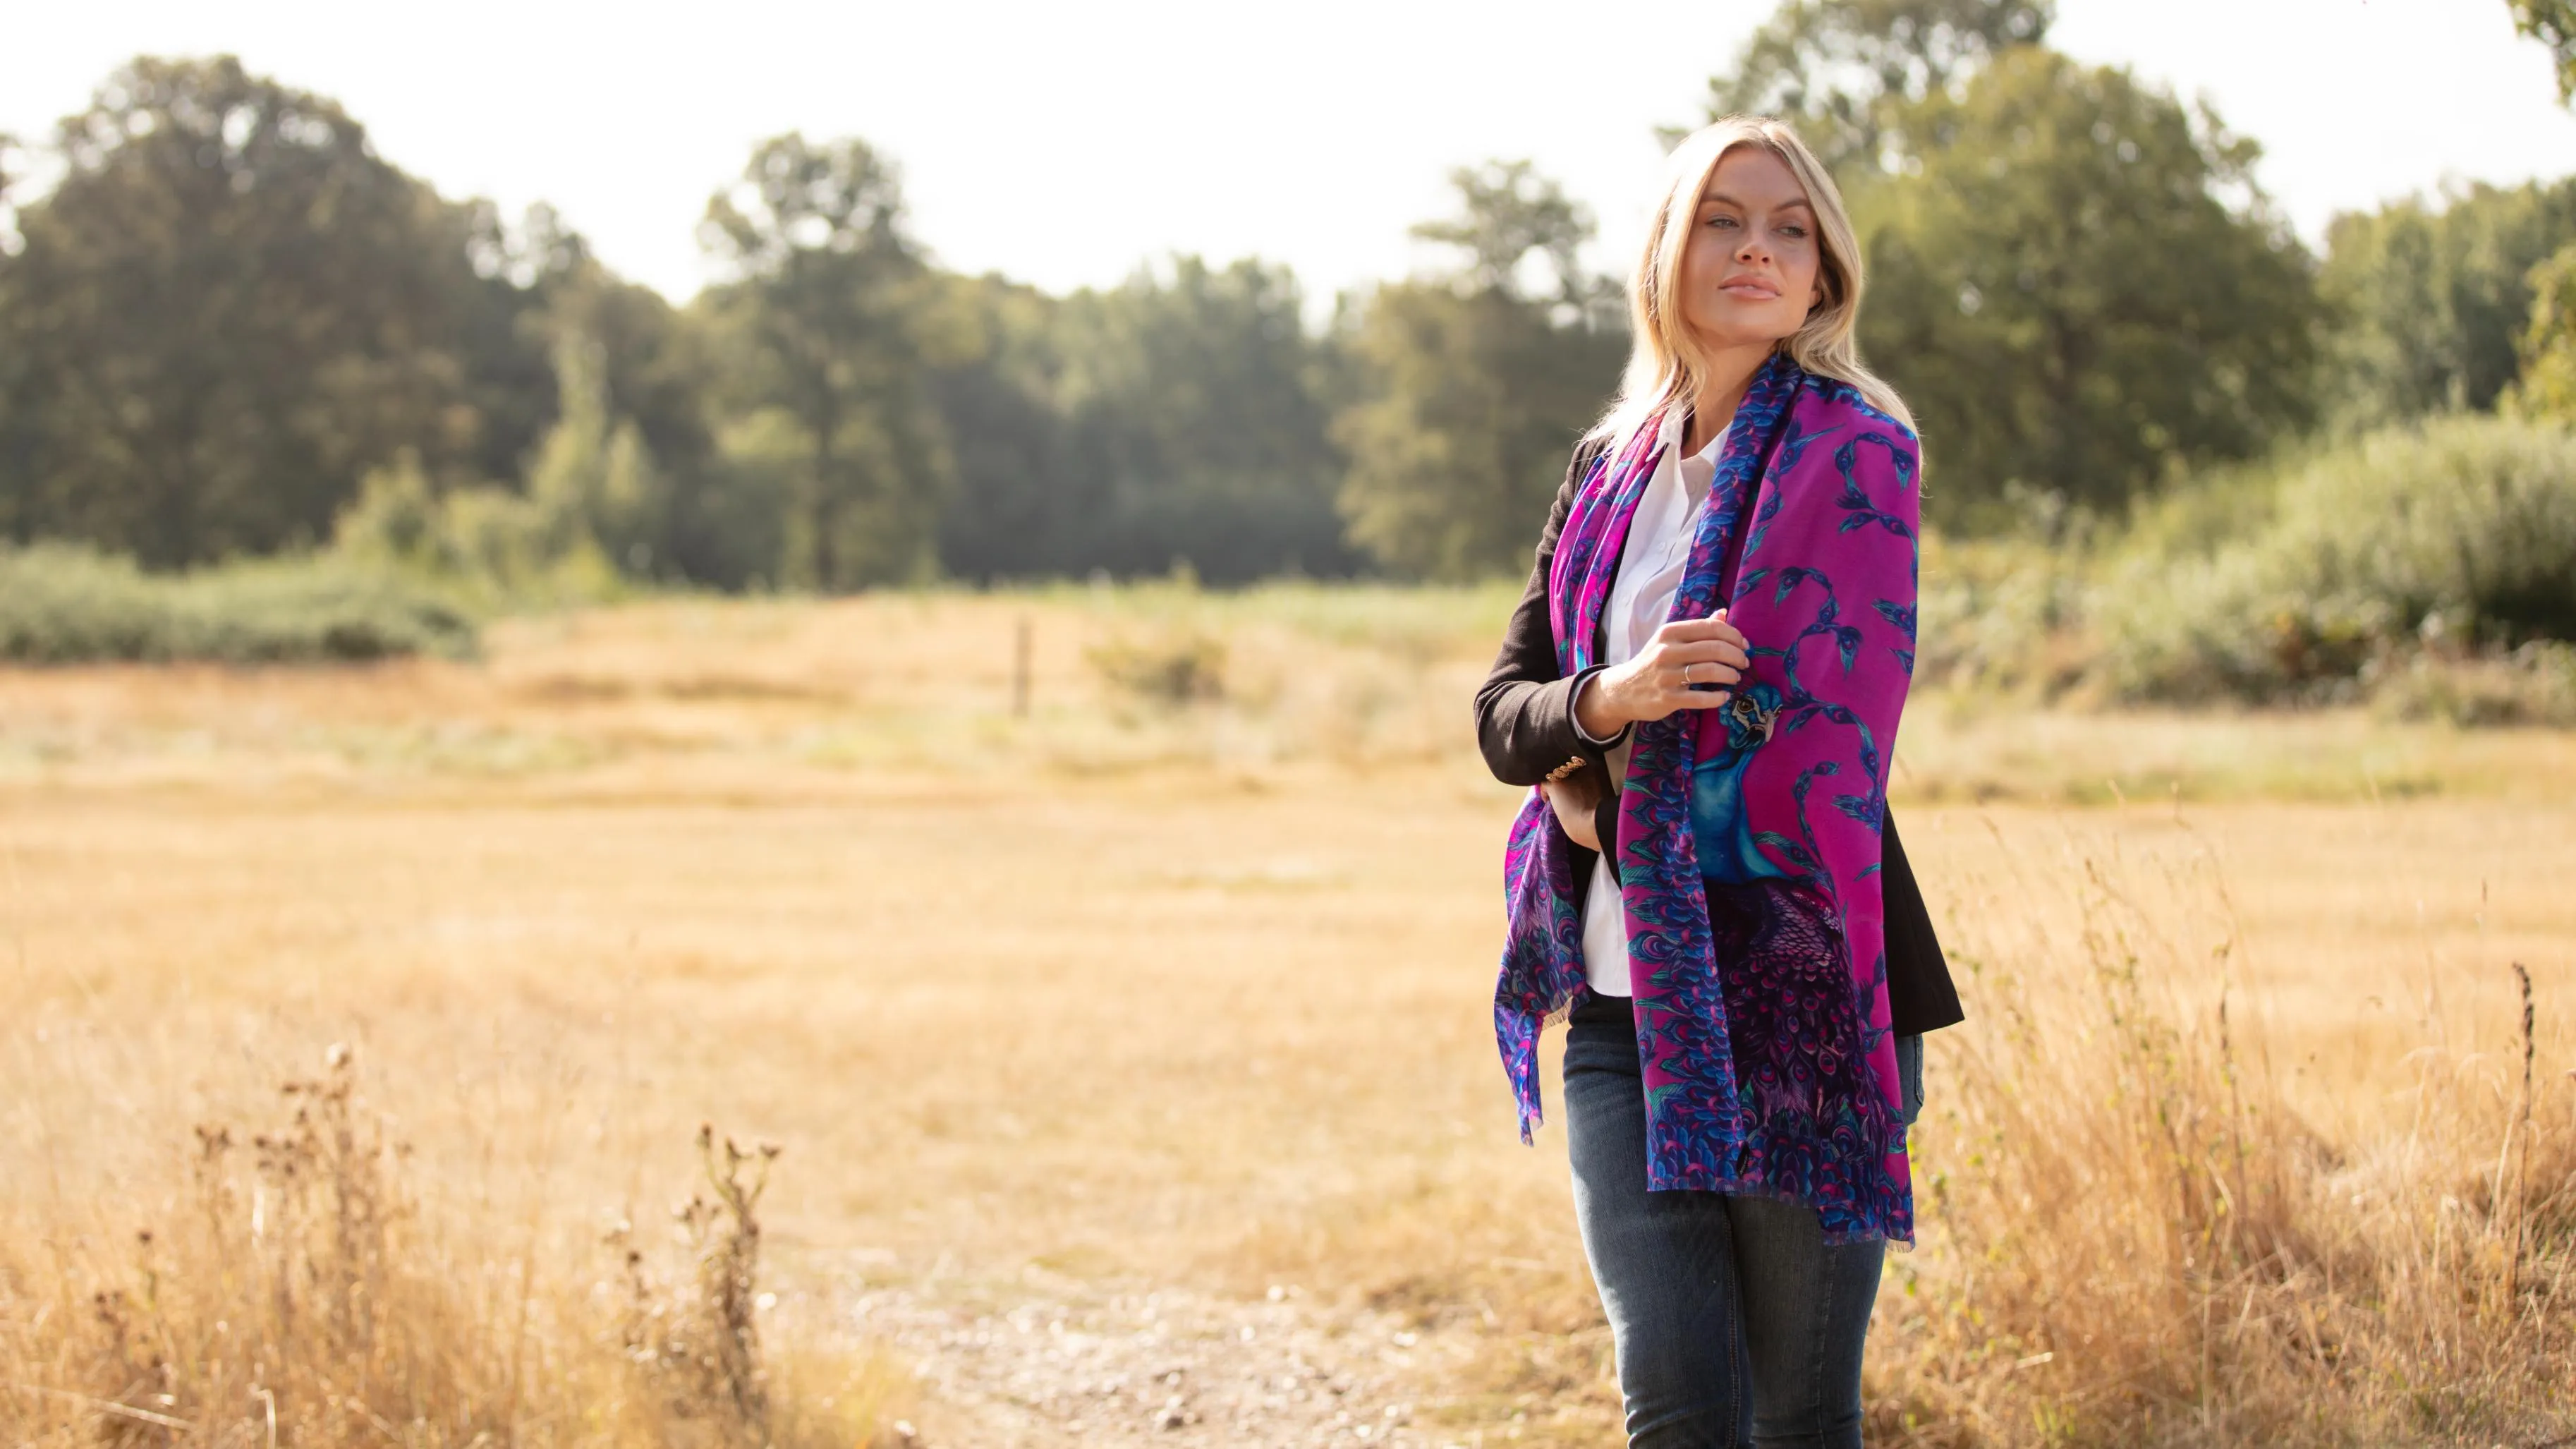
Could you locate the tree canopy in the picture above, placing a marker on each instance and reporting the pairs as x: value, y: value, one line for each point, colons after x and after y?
x: 2552, y: 23
x: 823, y: 331
x: 1178, y: 419
x: 2079, y: 290
x: 231, y: 327
x: 1474, y: 389
x: 2433, y: 296
x: 230, y: 307
x: 1847, y: 72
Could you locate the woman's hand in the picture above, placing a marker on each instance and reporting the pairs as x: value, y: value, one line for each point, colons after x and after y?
x: 1658, y: 681
x: 1573, y: 799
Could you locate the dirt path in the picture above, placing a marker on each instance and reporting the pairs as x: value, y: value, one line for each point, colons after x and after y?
x: 1076, y: 1366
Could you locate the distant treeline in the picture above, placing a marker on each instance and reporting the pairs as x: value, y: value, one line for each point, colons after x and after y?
x: 231, y: 328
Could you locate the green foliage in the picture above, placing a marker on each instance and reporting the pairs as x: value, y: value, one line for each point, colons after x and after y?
x: 498, y: 547
x: 827, y: 325
x: 1508, y: 213
x: 653, y: 372
x: 62, y: 604
x: 1473, y: 403
x: 594, y: 500
x: 2532, y: 684
x: 2073, y: 280
x: 1472, y: 391
x: 1176, y: 420
x: 1847, y: 72
x: 2079, y: 292
x: 230, y: 308
x: 2003, y: 616
x: 1195, y: 394
x: 2552, y: 23
x: 593, y: 480
x: 2453, y: 537
x: 233, y: 329
x: 1025, y: 502
x: 2433, y: 301
x: 2547, y: 385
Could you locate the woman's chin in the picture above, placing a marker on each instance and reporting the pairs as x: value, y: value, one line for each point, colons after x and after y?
x: 1729, y: 327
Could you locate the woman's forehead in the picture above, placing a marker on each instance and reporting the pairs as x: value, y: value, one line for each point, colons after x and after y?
x: 1753, y: 176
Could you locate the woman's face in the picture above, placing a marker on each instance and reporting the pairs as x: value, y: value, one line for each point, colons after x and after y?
x: 1749, y: 270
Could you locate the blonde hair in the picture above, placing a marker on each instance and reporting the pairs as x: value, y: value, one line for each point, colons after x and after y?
x: 1667, y: 362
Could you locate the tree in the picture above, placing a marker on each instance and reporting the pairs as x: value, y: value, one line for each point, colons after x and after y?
x: 2082, y: 291
x: 18, y: 429
x: 593, y: 476
x: 1475, y: 386
x: 657, y: 370
x: 1509, y: 213
x: 1846, y: 72
x: 1197, y: 386
x: 2546, y: 385
x: 1179, y: 418
x: 1025, y: 500
x: 2552, y: 23
x: 827, y: 326
x: 229, y: 308
x: 2433, y: 298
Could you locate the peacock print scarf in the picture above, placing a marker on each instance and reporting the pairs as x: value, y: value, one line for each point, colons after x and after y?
x: 1748, y: 835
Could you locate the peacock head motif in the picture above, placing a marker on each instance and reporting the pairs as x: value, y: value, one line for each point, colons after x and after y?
x: 1749, y: 716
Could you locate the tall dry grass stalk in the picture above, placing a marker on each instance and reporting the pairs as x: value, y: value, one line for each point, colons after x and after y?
x: 2137, y: 1240
x: 302, y: 1297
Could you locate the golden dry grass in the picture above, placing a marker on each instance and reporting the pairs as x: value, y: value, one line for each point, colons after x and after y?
x: 1126, y: 996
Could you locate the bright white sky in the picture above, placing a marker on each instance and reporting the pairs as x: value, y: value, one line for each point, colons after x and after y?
x: 1065, y: 143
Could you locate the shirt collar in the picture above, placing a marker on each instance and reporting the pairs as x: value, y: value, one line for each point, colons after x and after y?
x: 1696, y: 472
x: 1676, y: 426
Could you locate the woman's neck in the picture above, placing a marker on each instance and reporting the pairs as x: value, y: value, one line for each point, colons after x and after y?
x: 1721, y: 388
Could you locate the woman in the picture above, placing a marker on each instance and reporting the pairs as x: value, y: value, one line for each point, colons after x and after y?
x: 1704, y: 677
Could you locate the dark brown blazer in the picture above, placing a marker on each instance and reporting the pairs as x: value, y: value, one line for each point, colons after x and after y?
x: 1525, y: 726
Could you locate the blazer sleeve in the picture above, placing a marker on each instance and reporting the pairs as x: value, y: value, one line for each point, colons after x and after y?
x: 1524, y: 711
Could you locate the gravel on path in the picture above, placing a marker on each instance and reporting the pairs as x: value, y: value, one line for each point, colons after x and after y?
x: 1057, y: 1363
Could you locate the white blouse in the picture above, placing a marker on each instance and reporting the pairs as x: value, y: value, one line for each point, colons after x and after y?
x: 1641, y: 601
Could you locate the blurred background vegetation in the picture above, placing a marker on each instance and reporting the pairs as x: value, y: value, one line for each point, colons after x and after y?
x: 265, y: 395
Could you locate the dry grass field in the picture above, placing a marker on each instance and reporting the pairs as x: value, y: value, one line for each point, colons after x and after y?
x: 1129, y: 1061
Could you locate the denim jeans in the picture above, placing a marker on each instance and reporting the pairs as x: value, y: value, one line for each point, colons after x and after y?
x: 1734, y: 1323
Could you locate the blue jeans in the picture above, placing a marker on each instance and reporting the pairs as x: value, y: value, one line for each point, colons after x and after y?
x: 1735, y: 1324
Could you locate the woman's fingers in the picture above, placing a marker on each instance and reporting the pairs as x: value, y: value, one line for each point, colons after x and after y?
x: 1692, y: 631
x: 1701, y: 698
x: 1573, y: 809
x: 1651, y: 686
x: 1714, y: 651
x: 1665, y: 702
x: 1702, y: 663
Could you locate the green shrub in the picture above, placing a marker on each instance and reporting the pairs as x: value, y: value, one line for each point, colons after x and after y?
x: 62, y: 605
x: 2001, y: 615
x: 2456, y: 537
x: 2534, y: 684
x: 487, y: 543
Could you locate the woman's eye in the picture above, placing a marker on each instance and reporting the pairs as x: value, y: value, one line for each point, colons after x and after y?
x: 1721, y: 221
x: 1799, y: 232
